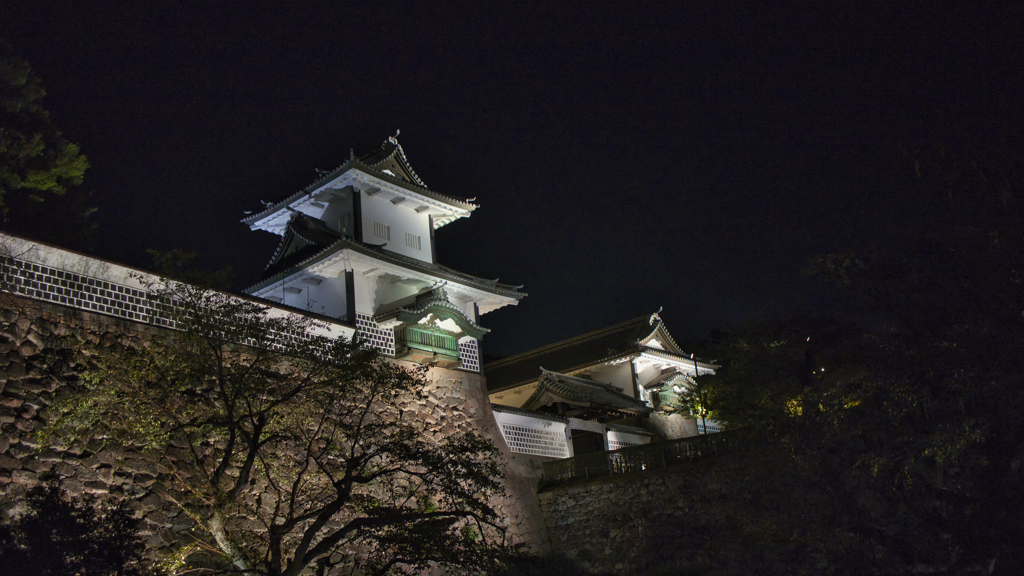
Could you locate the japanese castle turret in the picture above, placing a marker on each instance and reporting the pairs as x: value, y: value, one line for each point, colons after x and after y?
x: 594, y: 392
x: 358, y: 245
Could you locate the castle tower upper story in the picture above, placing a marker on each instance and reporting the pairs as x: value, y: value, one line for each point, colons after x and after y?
x: 358, y: 245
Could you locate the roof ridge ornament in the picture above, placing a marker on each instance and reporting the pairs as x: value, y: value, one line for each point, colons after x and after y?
x: 394, y: 139
x: 656, y: 315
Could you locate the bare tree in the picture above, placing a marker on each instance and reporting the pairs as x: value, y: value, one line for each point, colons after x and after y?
x: 293, y: 450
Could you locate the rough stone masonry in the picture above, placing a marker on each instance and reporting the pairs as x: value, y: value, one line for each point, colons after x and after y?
x: 34, y: 366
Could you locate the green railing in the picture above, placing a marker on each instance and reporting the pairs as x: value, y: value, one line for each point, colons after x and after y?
x: 639, y: 458
x: 421, y: 339
x: 670, y: 399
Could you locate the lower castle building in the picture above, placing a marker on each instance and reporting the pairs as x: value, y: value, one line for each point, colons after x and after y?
x: 604, y: 390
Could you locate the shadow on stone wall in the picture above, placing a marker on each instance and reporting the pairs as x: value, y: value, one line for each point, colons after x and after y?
x: 692, y: 518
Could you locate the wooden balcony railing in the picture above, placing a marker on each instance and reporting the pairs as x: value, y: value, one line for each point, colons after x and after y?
x: 432, y: 341
x: 639, y: 458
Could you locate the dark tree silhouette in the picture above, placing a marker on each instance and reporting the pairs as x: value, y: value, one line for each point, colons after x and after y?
x: 37, y: 164
x: 61, y: 537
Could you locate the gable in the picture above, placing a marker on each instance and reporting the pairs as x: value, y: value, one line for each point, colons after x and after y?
x: 660, y: 339
x: 392, y: 167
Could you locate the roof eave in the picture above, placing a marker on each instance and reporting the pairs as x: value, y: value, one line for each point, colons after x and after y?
x: 343, y: 243
x: 254, y: 220
x: 566, y: 371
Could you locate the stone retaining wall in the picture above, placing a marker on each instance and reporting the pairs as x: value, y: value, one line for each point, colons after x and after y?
x: 33, y: 368
x: 657, y: 521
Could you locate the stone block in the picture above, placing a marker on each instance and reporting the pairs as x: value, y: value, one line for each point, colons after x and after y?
x: 9, y: 463
x: 36, y: 465
x: 96, y: 487
x: 27, y: 349
x: 77, y: 448
x: 50, y: 455
x: 138, y: 466
x: 63, y: 469
x: 85, y: 474
x: 24, y: 477
x: 16, y: 371
x: 34, y: 336
x: 151, y: 502
x: 29, y: 443
x: 159, y: 519
x: 105, y: 474
x: 114, y: 449
x: 38, y: 383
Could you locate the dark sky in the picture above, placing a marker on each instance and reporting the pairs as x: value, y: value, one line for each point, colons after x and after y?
x: 626, y: 156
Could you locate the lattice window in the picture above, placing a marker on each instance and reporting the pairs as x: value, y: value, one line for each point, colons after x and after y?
x: 382, y: 231
x: 412, y: 241
x: 536, y: 441
x: 381, y: 339
x: 616, y: 444
x: 469, y: 353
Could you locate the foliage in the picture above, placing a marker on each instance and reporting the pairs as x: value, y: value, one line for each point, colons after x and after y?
x: 181, y: 265
x: 699, y: 398
x: 905, y: 421
x: 59, y: 537
x: 296, y: 450
x: 36, y: 162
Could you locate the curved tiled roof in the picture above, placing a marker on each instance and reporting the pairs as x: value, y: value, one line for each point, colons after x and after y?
x: 303, y: 238
x: 368, y: 163
x: 308, y: 228
x: 579, y: 352
x: 530, y: 413
x: 436, y: 298
x: 568, y: 355
x: 389, y: 150
x: 583, y: 392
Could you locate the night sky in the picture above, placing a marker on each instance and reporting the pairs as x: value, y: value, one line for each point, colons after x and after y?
x: 626, y: 156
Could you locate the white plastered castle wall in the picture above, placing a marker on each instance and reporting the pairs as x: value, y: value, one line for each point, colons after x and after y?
x: 385, y: 222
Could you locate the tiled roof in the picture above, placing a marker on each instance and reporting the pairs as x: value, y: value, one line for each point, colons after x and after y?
x: 436, y: 298
x: 368, y: 163
x: 310, y: 229
x: 391, y: 150
x: 587, y: 350
x: 584, y: 393
x: 530, y: 413
x: 304, y: 237
x: 667, y: 376
x: 629, y: 429
x: 568, y: 355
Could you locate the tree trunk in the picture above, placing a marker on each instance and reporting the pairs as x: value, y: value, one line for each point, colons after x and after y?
x: 220, y: 534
